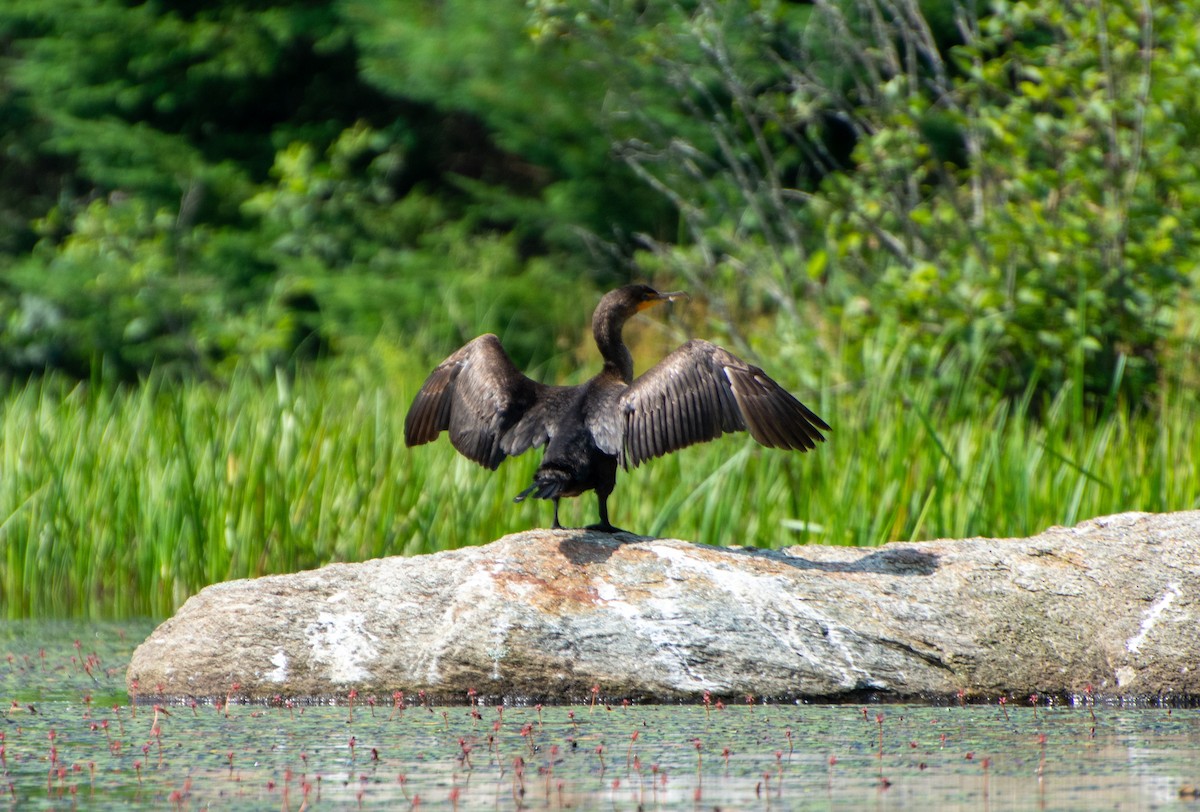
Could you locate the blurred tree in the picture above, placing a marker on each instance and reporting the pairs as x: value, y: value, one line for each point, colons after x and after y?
x: 1017, y: 183
x: 145, y: 126
x: 1056, y: 244
x: 541, y: 102
x: 186, y: 184
x: 193, y: 181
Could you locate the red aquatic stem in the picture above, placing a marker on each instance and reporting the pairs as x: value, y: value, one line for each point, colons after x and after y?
x: 518, y: 779
x: 1041, y: 769
x: 233, y: 689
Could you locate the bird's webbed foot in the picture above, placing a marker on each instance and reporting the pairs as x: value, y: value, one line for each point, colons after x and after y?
x: 605, y: 527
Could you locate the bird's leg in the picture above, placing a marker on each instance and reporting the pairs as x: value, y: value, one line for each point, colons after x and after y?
x: 605, y: 526
x: 556, y: 525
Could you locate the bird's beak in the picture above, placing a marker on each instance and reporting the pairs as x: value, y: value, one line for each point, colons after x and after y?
x: 663, y: 297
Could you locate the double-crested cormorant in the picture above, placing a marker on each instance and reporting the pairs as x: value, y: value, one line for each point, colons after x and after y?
x: 695, y: 394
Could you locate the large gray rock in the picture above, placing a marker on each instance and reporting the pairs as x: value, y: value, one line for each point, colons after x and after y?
x: 1111, y: 603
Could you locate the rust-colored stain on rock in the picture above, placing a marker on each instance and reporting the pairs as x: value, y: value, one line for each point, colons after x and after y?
x: 560, y: 578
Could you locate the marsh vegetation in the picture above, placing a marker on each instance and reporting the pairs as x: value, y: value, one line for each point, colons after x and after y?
x: 233, y: 240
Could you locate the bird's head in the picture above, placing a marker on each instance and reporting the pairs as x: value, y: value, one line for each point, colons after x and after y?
x: 615, y: 308
x: 630, y: 299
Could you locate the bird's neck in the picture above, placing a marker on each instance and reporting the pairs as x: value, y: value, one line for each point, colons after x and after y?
x: 612, y: 348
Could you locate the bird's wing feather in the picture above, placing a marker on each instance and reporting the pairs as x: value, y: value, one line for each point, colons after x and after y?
x: 490, y: 408
x: 699, y: 392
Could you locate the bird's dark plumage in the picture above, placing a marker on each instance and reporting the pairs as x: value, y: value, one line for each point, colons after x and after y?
x: 695, y: 394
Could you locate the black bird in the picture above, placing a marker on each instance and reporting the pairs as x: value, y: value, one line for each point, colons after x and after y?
x: 695, y: 394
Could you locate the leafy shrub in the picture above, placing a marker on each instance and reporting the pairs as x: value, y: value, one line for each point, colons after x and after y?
x: 1060, y: 243
x: 1021, y: 189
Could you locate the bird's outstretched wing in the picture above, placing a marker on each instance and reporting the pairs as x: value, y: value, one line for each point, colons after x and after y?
x: 699, y: 392
x: 490, y: 408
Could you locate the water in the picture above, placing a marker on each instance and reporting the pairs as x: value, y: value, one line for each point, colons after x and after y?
x: 70, y: 738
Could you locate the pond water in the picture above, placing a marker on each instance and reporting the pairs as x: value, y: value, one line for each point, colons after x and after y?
x: 69, y: 738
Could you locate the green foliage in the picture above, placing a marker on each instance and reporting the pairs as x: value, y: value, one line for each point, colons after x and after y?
x: 1062, y: 240
x: 542, y: 102
x: 956, y: 230
x: 375, y: 261
x: 197, y: 184
x: 127, y: 289
x: 152, y: 122
x: 147, y: 95
x: 124, y: 502
x: 231, y: 187
x: 1023, y: 187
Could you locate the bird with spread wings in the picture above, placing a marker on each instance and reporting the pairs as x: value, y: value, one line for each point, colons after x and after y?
x: 697, y: 393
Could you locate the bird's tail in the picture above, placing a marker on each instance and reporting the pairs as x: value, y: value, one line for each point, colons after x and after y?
x: 548, y: 483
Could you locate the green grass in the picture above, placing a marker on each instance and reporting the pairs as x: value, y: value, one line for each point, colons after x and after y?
x: 120, y: 503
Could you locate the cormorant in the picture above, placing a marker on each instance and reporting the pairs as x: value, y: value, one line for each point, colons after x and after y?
x: 695, y: 394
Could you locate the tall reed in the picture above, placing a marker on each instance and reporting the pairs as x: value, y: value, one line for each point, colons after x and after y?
x: 123, y: 502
